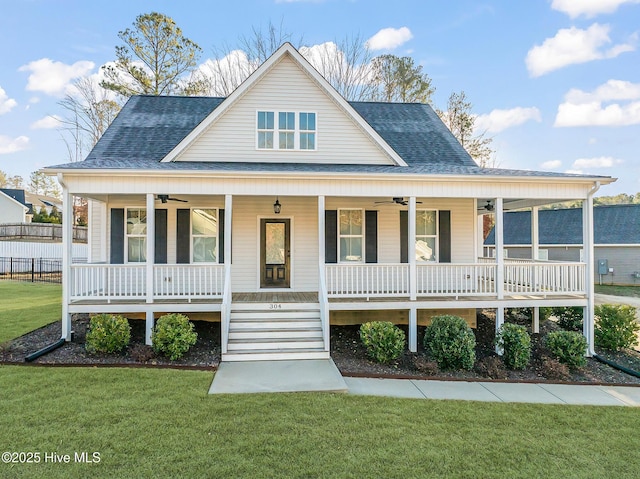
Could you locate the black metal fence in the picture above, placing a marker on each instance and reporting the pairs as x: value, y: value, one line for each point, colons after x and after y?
x: 34, y: 270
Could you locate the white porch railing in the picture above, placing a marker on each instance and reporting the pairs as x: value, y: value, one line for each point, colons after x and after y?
x: 367, y: 280
x: 128, y: 281
x: 456, y: 279
x: 544, y: 278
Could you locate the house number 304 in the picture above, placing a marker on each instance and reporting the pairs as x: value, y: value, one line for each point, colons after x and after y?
x: 275, y: 306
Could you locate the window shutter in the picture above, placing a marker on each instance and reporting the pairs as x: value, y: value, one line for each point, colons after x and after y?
x: 444, y: 236
x: 183, y: 236
x: 331, y: 236
x: 221, y: 236
x: 404, y: 236
x: 161, y: 237
x: 371, y: 237
x: 117, y: 235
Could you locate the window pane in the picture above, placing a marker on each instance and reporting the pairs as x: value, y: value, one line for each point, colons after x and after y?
x: 286, y: 141
x: 204, y: 222
x: 136, y: 221
x: 308, y: 121
x: 425, y: 249
x: 307, y: 141
x: 265, y: 140
x: 425, y: 223
x: 351, y: 222
x: 137, y: 250
x: 287, y: 120
x: 350, y: 249
x: 265, y: 120
x: 274, y: 243
x: 204, y: 249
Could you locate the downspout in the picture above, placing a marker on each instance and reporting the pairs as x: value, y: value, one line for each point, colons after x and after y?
x: 590, y: 274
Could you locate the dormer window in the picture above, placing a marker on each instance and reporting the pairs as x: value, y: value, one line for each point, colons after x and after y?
x: 295, y: 130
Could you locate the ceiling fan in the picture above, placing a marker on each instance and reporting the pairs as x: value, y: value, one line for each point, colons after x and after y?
x: 395, y: 200
x: 165, y: 198
x: 489, y: 206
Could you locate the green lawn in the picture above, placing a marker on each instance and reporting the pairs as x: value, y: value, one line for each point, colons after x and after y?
x: 27, y: 306
x: 161, y: 423
x: 615, y: 290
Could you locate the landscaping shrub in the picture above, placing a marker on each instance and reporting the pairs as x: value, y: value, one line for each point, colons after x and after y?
x: 553, y: 369
x: 514, y: 340
x: 173, y: 335
x: 491, y: 367
x: 450, y: 342
x: 616, y: 327
x: 569, y: 318
x: 383, y: 340
x: 569, y: 347
x: 107, y: 334
x: 425, y: 366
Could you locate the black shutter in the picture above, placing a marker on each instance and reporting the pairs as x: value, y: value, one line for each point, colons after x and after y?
x: 444, y: 236
x: 404, y: 236
x: 371, y: 237
x: 331, y: 236
x: 183, y: 236
x: 161, y: 237
x: 221, y: 236
x: 117, y: 235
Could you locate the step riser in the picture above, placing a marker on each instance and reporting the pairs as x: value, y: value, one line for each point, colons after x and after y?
x: 275, y: 356
x: 274, y: 345
x: 303, y: 335
x: 274, y: 306
x: 250, y: 325
x: 274, y: 315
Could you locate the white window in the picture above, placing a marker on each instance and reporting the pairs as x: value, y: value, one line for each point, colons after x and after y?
x: 296, y: 131
x: 136, y: 235
x: 426, y: 235
x: 204, y: 235
x: 350, y: 236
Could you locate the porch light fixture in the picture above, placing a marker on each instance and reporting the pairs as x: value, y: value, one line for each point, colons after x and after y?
x: 277, y: 206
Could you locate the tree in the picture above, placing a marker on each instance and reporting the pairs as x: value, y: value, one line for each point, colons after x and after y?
x: 7, y: 181
x: 399, y: 79
x: 461, y: 122
x: 154, y: 59
x: 41, y: 184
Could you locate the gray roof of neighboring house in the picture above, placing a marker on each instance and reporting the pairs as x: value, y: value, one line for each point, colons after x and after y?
x: 149, y: 127
x: 16, y: 194
x: 613, y: 224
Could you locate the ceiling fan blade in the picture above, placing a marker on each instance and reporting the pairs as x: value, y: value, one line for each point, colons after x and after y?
x: 178, y: 199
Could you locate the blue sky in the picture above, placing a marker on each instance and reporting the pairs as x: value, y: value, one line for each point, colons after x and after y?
x: 556, y: 83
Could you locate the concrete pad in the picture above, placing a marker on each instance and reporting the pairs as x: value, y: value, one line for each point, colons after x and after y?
x: 400, y: 388
x: 277, y: 376
x: 583, y: 395
x: 629, y: 395
x: 527, y: 393
x: 462, y: 390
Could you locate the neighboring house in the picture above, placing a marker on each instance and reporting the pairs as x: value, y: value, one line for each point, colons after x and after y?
x: 13, y: 207
x: 42, y: 202
x: 283, y: 209
x: 616, y: 239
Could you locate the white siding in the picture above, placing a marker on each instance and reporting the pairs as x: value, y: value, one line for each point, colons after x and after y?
x: 286, y: 87
x: 97, y: 231
x: 11, y: 211
x: 247, y: 212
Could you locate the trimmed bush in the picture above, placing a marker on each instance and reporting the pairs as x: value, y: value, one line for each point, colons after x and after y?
x: 383, y: 340
x: 553, y: 369
x: 616, y: 327
x: 107, y: 334
x: 491, y: 367
x: 173, y: 335
x: 451, y: 342
x: 569, y: 318
x: 514, y: 340
x: 569, y: 347
x: 422, y: 364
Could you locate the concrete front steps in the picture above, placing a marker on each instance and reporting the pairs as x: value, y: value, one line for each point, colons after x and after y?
x: 275, y: 331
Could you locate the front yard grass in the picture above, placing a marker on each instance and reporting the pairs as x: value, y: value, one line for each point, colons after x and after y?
x: 162, y: 423
x: 615, y: 290
x: 27, y: 306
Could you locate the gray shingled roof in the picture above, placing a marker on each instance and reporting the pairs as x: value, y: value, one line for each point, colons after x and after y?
x: 613, y: 224
x: 16, y: 194
x: 149, y: 127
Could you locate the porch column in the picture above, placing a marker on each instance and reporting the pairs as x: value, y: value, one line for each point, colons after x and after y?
x: 535, y: 239
x: 499, y: 323
x: 413, y: 330
x: 412, y: 249
x: 151, y: 253
x: 321, y: 228
x: 225, y: 312
x: 499, y: 235
x: 228, y: 213
x: 67, y: 259
x: 536, y: 319
x: 587, y: 245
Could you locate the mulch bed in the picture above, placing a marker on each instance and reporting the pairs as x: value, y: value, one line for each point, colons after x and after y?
x: 347, y: 352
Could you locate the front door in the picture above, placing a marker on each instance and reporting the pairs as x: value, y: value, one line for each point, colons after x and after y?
x: 274, y: 253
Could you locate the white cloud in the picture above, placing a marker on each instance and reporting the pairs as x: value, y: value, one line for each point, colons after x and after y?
x: 6, y: 103
x: 574, y: 172
x: 54, y: 78
x: 499, y: 120
x: 47, y: 123
x: 572, y: 46
x: 551, y: 165
x: 598, y: 162
x: 596, y: 108
x: 389, y: 38
x: 588, y: 8
x: 11, y: 145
